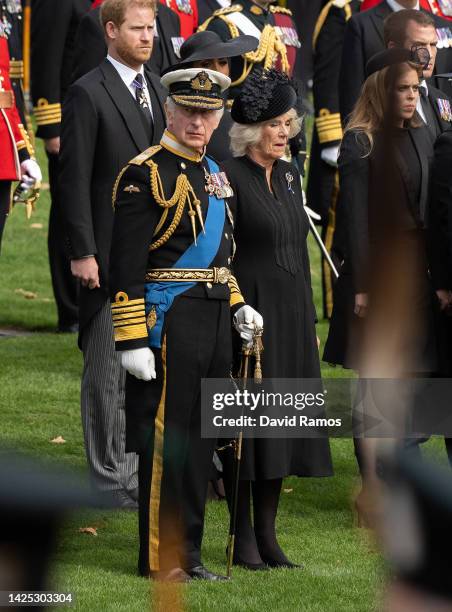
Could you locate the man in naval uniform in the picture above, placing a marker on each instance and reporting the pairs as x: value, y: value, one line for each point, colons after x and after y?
x: 279, y: 47
x: 323, y: 183
x: 272, y: 26
x: 172, y: 295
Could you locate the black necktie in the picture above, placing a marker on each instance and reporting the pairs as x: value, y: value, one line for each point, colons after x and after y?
x: 140, y: 94
x: 430, y: 117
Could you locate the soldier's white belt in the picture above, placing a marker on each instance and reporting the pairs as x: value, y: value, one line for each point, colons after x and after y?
x: 192, y: 275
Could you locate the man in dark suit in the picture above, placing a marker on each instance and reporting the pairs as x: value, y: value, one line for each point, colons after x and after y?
x: 364, y: 36
x: 415, y: 29
x: 111, y: 114
x: 51, y: 68
x: 90, y: 47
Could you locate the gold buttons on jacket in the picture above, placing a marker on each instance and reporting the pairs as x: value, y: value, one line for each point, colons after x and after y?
x: 209, y: 285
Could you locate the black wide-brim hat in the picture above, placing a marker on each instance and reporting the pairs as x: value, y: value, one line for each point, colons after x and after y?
x: 208, y: 45
x: 264, y: 96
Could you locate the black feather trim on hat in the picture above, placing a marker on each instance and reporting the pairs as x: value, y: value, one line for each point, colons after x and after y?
x: 265, y: 95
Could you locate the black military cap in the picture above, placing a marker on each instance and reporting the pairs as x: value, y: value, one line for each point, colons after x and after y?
x: 397, y: 55
x: 265, y: 95
x: 208, y: 45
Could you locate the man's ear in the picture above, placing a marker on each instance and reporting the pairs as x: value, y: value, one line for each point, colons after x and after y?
x: 391, y: 45
x: 111, y: 30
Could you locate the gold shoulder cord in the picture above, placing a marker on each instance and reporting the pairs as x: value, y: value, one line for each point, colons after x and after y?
x: 183, y: 194
x: 270, y: 46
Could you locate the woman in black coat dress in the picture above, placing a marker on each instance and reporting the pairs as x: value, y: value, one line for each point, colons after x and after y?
x: 272, y: 267
x: 384, y: 176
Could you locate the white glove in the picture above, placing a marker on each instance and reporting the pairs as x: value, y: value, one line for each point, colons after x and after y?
x: 330, y: 155
x: 246, y: 321
x: 30, y: 172
x: 139, y: 362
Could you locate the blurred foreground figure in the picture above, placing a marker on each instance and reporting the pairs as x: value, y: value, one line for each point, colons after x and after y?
x: 417, y: 536
x: 34, y: 500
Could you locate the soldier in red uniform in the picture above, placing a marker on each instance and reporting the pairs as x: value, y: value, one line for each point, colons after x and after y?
x: 442, y: 8
x: 187, y: 10
x: 15, y: 148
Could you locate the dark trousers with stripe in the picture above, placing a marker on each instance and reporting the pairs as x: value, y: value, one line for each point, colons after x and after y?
x: 175, y: 465
x: 103, y: 408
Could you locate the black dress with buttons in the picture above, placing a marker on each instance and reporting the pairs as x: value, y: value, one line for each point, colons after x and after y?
x: 272, y: 268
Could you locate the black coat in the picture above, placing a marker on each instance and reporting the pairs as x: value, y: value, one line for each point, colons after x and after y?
x: 102, y: 131
x: 439, y: 207
x: 53, y: 28
x: 327, y: 45
x: 272, y: 269
x: 90, y: 47
x: 363, y: 38
x: 364, y: 188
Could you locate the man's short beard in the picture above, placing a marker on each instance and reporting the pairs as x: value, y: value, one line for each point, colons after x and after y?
x: 129, y: 57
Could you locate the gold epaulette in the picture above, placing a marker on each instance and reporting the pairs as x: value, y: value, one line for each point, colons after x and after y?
x: 136, y: 161
x: 341, y: 4
x: 281, y: 9
x: 221, y: 13
x: 145, y: 155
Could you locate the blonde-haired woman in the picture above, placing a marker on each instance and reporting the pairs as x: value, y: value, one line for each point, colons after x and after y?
x: 384, y: 175
x: 272, y: 266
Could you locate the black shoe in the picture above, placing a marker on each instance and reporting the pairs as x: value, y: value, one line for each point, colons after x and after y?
x: 254, y: 567
x: 201, y: 573
x: 121, y: 499
x: 274, y: 563
x: 173, y: 575
x: 68, y: 329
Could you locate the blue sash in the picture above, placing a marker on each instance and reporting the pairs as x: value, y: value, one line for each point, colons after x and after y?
x: 161, y: 295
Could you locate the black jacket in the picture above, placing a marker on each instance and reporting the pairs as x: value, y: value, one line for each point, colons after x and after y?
x: 441, y: 218
x: 53, y: 27
x: 102, y: 130
x: 137, y: 217
x: 90, y: 47
x: 327, y: 45
x: 363, y: 38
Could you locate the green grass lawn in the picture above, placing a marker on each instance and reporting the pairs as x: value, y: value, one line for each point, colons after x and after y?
x: 39, y: 391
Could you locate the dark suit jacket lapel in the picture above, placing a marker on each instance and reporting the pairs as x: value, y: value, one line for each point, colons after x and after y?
x: 158, y: 95
x: 125, y: 104
x: 377, y: 17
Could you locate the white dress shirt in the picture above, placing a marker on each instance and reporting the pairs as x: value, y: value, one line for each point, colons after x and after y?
x: 128, y: 75
x: 398, y: 7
